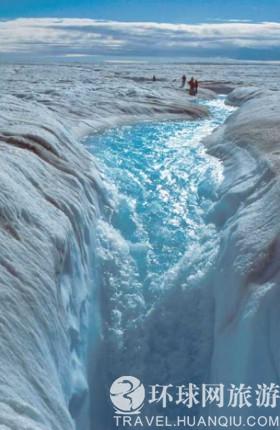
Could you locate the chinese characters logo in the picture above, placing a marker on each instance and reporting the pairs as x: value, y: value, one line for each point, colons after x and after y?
x: 128, y: 395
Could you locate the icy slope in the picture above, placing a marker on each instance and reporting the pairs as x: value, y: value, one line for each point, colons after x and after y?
x: 87, y: 97
x: 49, y: 202
x: 247, y: 279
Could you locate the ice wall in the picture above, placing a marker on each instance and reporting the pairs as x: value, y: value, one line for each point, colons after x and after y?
x: 49, y: 202
x: 247, y: 277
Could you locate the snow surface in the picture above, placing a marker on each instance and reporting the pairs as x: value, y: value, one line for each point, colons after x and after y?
x: 51, y: 195
x: 246, y: 345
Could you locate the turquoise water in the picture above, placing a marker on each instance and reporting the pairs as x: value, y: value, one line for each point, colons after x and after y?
x: 155, y: 252
x: 164, y: 183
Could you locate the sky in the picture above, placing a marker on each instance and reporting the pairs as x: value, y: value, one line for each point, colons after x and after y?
x: 125, y: 29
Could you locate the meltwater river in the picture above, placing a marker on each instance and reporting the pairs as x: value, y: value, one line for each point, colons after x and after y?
x: 155, y: 253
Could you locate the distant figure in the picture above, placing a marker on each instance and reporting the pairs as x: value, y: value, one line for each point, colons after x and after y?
x: 196, y: 86
x: 154, y: 78
x: 192, y: 87
x: 184, y: 78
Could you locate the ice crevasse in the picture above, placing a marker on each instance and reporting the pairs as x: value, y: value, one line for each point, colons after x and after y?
x: 51, y: 195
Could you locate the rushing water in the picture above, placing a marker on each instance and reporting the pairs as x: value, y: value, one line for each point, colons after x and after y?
x: 154, y: 248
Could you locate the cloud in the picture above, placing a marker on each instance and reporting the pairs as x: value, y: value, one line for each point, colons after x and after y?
x: 70, y: 37
x: 232, y: 20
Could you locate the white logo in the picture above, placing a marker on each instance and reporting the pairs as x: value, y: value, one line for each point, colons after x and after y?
x: 127, y: 395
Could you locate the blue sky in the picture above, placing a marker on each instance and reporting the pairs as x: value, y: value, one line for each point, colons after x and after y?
x: 237, y: 29
x: 176, y: 11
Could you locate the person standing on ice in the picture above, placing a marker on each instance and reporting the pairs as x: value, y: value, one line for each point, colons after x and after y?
x: 192, y: 87
x: 184, y: 78
x: 196, y: 86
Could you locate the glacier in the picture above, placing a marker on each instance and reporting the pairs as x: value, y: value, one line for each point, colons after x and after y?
x: 52, y: 196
